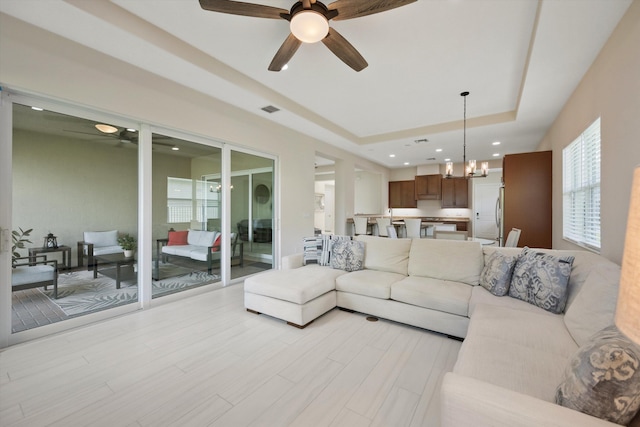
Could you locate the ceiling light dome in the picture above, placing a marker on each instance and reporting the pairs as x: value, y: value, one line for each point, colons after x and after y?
x: 309, y: 26
x: 106, y: 128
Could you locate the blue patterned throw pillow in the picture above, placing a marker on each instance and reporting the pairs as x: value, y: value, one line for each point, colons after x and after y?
x: 603, y: 378
x: 497, y: 272
x: 347, y: 255
x: 541, y: 279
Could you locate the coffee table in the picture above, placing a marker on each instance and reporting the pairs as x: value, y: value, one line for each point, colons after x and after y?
x: 115, y: 266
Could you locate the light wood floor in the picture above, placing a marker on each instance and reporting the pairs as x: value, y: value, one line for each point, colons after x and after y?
x: 206, y: 361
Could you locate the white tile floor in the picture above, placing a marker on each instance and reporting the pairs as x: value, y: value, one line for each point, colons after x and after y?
x: 206, y: 361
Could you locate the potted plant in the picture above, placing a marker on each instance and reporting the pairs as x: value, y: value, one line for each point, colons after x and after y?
x: 128, y: 243
x: 19, y: 239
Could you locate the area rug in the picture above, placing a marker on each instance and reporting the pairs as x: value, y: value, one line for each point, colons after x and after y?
x: 79, y: 293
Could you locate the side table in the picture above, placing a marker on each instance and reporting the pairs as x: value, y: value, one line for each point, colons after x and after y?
x: 66, y: 255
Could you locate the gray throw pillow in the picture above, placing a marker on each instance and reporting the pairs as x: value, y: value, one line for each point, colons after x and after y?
x: 603, y: 378
x: 541, y: 279
x: 496, y: 274
x: 347, y: 255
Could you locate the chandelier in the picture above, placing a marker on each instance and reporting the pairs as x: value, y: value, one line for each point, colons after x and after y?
x: 470, y: 169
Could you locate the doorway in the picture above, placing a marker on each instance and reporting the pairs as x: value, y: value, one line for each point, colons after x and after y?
x: 485, y: 197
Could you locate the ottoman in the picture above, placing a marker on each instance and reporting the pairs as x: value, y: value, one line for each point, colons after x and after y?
x: 297, y: 296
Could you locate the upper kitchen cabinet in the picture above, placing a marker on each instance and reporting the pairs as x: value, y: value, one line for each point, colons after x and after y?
x: 428, y: 187
x: 402, y: 194
x: 455, y: 193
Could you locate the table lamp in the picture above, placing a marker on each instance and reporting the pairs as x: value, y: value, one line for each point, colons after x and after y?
x: 628, y: 310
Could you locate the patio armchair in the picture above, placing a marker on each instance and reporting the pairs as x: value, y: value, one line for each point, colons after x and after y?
x: 29, y: 272
x: 97, y: 243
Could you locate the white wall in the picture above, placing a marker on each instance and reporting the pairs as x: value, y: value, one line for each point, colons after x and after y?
x: 368, y: 197
x: 611, y: 90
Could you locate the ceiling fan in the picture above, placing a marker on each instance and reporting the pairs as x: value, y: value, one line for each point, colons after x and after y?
x: 123, y: 136
x: 309, y: 23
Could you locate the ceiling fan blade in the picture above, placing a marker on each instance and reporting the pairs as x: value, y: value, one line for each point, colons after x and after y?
x: 348, y: 9
x: 344, y: 50
x: 285, y: 53
x: 242, y: 8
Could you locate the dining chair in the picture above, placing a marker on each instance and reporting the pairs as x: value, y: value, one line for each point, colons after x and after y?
x: 512, y: 238
x: 450, y: 235
x: 361, y: 224
x: 391, y: 232
x: 382, y: 226
x: 413, y: 227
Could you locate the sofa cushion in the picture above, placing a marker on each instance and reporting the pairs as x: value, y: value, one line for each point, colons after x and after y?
x: 371, y: 283
x: 347, y: 255
x: 178, y: 238
x: 106, y: 250
x: 514, y: 349
x: 101, y: 238
x: 496, y: 274
x: 24, y: 274
x: 481, y: 296
x: 286, y: 284
x: 436, y: 294
x: 541, y: 279
x: 603, y: 378
x: 184, y: 250
x: 595, y: 305
x: 384, y: 254
x: 201, y: 238
x: 458, y: 261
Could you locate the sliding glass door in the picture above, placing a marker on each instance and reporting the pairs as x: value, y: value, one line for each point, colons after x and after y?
x: 187, y: 212
x: 106, y: 215
x: 75, y: 193
x: 252, y: 210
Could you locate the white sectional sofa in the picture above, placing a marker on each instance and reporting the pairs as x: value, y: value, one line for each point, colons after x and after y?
x: 514, y: 353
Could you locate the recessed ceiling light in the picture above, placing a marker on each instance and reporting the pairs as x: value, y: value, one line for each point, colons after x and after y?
x: 496, y: 154
x: 495, y: 143
x: 106, y: 128
x: 438, y: 150
x: 37, y: 108
x: 175, y: 148
x: 447, y: 160
x: 392, y: 155
x: 407, y: 163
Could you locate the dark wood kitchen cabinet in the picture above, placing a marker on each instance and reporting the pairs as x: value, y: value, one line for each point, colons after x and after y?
x: 455, y: 193
x: 428, y: 187
x: 528, y: 187
x: 402, y: 194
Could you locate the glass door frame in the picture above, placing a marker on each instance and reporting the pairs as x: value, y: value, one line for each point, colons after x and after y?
x: 144, y: 222
x: 8, y: 98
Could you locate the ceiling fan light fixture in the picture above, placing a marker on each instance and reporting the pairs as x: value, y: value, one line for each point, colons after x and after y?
x: 106, y: 128
x: 309, y: 26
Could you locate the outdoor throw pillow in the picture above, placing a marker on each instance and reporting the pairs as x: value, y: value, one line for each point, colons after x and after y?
x: 541, y: 279
x: 216, y: 244
x: 178, y: 238
x: 347, y: 255
x: 603, y: 378
x: 497, y: 272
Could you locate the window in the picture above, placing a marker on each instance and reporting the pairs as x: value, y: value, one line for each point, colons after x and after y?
x: 581, y: 189
x: 186, y: 196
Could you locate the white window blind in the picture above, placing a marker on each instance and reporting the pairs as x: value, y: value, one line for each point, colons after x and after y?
x: 581, y: 189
